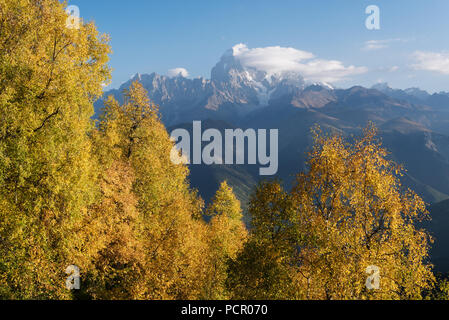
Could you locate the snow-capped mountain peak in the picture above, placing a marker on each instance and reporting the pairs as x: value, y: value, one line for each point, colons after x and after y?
x: 256, y: 85
x: 242, y: 80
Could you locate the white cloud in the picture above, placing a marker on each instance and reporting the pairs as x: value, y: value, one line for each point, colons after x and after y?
x: 380, y: 44
x: 178, y: 72
x: 431, y: 61
x: 388, y: 69
x: 393, y: 69
x: 374, y: 45
x: 275, y: 60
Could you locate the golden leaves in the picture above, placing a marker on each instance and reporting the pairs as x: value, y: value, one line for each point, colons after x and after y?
x: 347, y: 212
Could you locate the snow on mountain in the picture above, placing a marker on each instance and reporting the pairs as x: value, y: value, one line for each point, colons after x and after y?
x: 242, y: 81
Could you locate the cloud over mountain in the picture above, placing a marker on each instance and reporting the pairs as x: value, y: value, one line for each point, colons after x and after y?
x: 178, y: 72
x: 277, y: 60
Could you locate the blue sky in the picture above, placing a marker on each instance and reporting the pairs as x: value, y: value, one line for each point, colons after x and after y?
x: 410, y: 49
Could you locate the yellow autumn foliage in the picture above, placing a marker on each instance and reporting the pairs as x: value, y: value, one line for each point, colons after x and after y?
x: 106, y: 197
x: 346, y: 214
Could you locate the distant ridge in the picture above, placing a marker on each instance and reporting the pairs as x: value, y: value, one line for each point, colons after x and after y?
x: 413, y: 124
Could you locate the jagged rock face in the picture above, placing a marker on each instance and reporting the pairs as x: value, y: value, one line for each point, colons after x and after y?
x: 233, y: 90
x: 232, y: 84
x: 250, y: 86
x: 236, y: 90
x: 165, y: 90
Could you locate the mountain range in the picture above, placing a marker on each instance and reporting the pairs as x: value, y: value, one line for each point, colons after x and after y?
x: 413, y: 125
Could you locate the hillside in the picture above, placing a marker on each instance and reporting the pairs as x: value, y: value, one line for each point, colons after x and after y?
x: 438, y: 227
x: 412, y: 123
